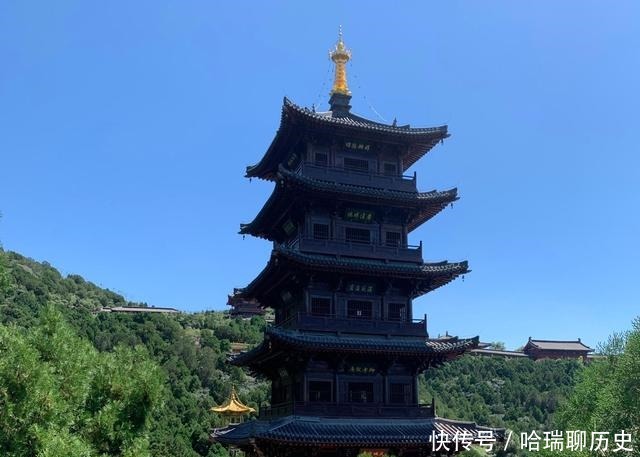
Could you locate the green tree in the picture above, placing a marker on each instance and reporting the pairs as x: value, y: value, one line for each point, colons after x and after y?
x: 5, y: 284
x: 60, y: 397
x: 607, y: 396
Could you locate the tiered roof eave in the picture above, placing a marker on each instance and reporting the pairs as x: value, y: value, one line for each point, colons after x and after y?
x: 426, y: 276
x: 424, y: 205
x: 284, y: 341
x: 295, y: 119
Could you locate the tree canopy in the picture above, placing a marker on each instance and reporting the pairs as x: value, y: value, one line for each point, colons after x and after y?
x: 607, y: 395
x: 62, y: 397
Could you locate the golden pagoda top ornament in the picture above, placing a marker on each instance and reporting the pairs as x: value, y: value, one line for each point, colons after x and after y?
x: 340, y: 56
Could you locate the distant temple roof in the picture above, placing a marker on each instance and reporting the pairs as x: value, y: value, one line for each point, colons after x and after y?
x: 296, y: 119
x: 351, y: 343
x: 557, y: 345
x: 233, y: 406
x: 353, y: 432
x: 498, y: 352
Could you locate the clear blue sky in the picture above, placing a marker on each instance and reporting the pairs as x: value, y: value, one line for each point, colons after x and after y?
x: 125, y: 127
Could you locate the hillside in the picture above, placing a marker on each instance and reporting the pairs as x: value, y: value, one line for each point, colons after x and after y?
x: 519, y: 394
x: 191, y: 352
x: 191, y: 349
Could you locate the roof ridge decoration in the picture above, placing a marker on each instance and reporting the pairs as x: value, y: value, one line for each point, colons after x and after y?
x: 556, y: 341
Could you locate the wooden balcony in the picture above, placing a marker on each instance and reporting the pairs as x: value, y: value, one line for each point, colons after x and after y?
x: 406, y: 253
x: 360, y: 178
x: 347, y: 410
x: 333, y: 323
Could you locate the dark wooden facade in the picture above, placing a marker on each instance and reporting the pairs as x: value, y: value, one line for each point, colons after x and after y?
x: 344, y: 351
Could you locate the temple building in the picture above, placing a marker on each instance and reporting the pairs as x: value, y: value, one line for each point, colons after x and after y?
x: 554, y: 349
x: 344, y: 353
x: 242, y: 307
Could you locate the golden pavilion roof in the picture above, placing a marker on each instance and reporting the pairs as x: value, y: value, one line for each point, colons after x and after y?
x: 233, y: 405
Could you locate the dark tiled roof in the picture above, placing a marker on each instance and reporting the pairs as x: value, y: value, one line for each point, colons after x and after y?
x: 372, y: 266
x: 362, y: 344
x: 431, y: 275
x: 383, y: 194
x: 556, y: 345
x: 358, y: 122
x: 496, y: 352
x: 426, y: 204
x: 296, y: 119
x: 302, y: 430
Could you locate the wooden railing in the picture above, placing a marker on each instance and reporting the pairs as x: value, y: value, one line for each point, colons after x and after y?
x: 347, y: 410
x: 407, y: 253
x: 343, y: 175
x: 336, y: 323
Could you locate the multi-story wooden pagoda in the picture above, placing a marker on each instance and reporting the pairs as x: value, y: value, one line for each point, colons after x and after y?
x: 344, y: 353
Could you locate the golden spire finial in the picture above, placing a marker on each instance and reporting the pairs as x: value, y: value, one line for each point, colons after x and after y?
x: 340, y: 56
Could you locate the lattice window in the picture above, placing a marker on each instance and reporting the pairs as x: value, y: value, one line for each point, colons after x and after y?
x: 321, y: 159
x: 360, y: 309
x: 320, y: 391
x: 393, y: 239
x: 360, y: 392
x: 357, y: 235
x: 400, y: 393
x: 356, y: 164
x: 320, y: 231
x: 397, y: 312
x: 390, y: 169
x: 320, y: 306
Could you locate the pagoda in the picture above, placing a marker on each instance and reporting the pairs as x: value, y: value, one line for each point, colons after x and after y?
x: 344, y: 353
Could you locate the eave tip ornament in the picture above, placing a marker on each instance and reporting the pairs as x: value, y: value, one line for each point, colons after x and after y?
x: 340, y: 56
